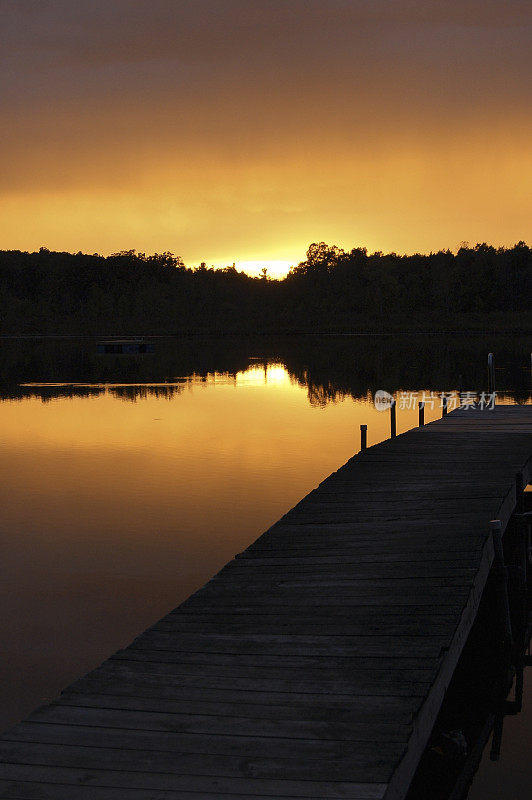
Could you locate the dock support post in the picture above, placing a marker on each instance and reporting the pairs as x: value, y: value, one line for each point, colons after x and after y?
x: 363, y: 438
x: 524, y: 522
x: 491, y: 374
x: 496, y: 741
x: 421, y: 413
x: 519, y: 492
x: 393, y: 420
x: 517, y: 580
x: 502, y: 599
x: 501, y: 574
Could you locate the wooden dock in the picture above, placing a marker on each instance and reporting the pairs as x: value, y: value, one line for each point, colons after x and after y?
x: 314, y: 664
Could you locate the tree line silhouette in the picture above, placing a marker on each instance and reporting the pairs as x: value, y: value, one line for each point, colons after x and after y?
x: 332, y: 291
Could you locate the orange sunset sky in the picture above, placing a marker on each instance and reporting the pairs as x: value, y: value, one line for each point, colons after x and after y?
x: 242, y: 130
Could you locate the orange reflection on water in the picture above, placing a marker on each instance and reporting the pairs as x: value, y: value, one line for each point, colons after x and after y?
x: 113, y: 512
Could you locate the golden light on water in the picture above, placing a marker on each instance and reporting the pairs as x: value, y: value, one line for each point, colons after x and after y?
x: 265, y: 374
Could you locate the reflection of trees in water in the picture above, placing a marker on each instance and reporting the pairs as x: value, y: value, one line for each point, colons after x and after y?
x: 47, y: 393
x: 134, y: 393
x: 337, y: 367
x: 127, y: 393
x: 330, y: 367
x: 323, y: 395
x: 320, y: 394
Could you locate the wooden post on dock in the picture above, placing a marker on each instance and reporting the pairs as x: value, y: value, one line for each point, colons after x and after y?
x: 491, y: 374
x: 363, y: 438
x: 393, y: 419
x: 421, y: 413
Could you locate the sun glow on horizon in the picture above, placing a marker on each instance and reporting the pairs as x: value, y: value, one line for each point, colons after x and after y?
x: 242, y: 137
x: 277, y: 268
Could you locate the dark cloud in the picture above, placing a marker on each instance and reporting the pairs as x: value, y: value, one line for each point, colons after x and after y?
x: 262, y: 61
x: 102, y: 31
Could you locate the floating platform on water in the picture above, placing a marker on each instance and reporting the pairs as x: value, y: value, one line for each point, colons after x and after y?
x: 315, y: 663
x: 125, y: 347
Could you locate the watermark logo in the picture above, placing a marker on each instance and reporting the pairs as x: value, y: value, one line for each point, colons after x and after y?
x: 476, y: 401
x: 383, y: 400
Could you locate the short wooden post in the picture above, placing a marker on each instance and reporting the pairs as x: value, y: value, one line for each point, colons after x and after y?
x: 363, y: 438
x: 393, y: 420
x: 491, y: 374
x: 421, y: 413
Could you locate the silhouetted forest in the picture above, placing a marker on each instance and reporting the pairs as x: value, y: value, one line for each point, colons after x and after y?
x: 332, y: 291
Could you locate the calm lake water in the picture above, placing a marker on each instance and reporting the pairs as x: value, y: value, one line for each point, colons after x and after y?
x: 127, y: 481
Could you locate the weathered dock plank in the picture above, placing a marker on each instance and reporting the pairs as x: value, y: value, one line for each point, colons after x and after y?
x: 314, y: 664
